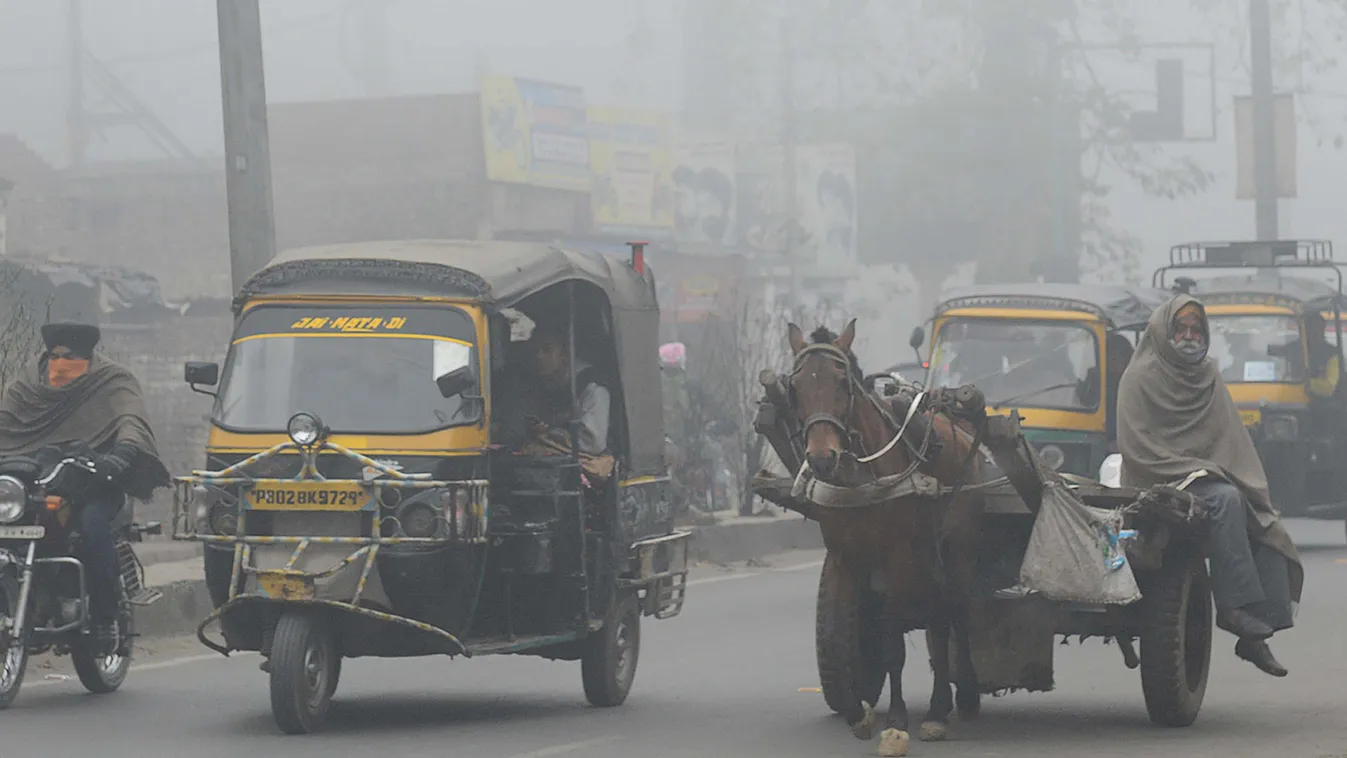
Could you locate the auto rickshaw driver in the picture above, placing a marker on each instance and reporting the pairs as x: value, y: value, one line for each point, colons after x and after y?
x: 538, y: 406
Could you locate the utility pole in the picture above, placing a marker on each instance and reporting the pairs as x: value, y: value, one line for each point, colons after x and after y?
x: 252, y: 226
x: 1264, y: 122
x: 374, y: 27
x: 789, y: 140
x: 77, y: 128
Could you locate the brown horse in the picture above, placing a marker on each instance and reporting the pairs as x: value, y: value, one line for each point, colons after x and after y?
x: 923, y: 547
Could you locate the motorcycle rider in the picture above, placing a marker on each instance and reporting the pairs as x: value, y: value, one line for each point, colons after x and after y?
x: 72, y: 396
x: 1176, y: 419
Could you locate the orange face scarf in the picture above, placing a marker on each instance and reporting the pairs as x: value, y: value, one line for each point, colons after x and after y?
x: 64, y: 368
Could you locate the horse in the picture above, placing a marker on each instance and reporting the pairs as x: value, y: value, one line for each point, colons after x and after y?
x: 923, y: 547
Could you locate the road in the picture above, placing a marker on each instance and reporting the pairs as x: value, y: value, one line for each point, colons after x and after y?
x: 733, y: 676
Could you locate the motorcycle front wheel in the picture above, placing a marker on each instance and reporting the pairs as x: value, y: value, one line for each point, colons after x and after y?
x: 14, y: 651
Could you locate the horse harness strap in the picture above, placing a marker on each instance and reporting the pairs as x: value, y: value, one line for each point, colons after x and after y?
x: 914, y: 484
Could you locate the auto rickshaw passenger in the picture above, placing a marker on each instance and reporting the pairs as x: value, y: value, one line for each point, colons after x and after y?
x: 1176, y: 420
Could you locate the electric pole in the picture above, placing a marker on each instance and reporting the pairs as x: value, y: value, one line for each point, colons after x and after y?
x: 252, y: 226
x: 1264, y: 122
x: 374, y: 27
x: 789, y: 139
x: 77, y: 128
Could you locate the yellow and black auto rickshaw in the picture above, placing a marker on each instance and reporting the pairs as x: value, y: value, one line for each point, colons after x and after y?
x: 357, y: 500
x: 1275, y: 309
x: 1053, y: 352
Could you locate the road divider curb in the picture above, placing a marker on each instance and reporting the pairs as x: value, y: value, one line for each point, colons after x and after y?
x: 187, y: 602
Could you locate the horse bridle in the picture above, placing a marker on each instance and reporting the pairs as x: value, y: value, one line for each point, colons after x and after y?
x: 838, y: 356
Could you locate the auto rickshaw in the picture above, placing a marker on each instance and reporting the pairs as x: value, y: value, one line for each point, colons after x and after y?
x: 357, y: 504
x: 1052, y: 351
x: 1257, y: 296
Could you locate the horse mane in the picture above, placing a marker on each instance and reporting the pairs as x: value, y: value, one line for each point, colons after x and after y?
x: 825, y: 336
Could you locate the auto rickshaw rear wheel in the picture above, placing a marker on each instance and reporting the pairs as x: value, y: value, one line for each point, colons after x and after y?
x: 305, y: 665
x: 608, y: 666
x: 1176, y: 636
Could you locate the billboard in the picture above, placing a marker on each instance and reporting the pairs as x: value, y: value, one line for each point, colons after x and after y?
x: 535, y: 133
x: 704, y: 186
x: 826, y: 202
x: 631, y: 155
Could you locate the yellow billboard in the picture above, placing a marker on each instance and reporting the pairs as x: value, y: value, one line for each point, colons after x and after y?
x: 631, y: 157
x: 535, y: 133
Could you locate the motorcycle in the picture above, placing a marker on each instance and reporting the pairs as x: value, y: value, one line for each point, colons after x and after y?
x: 44, y: 600
x: 699, y: 478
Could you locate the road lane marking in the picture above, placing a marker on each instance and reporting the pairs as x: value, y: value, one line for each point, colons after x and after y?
x: 751, y: 574
x: 567, y: 748
x: 186, y: 660
x: 1340, y: 560
x: 811, y: 690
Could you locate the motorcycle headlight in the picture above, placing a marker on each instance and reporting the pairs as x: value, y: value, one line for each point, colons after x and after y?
x: 1110, y: 471
x: 304, y: 429
x: 13, y: 499
x: 1052, y: 456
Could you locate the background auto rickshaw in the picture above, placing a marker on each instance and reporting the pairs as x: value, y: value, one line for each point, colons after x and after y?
x: 1054, y: 352
x: 1258, y: 297
x: 356, y: 504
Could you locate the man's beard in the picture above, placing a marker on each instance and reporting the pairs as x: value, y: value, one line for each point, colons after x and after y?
x: 1192, y: 351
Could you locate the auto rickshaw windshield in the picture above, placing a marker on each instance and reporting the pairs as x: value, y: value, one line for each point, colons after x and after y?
x: 368, y: 370
x: 1044, y: 364
x: 1257, y: 348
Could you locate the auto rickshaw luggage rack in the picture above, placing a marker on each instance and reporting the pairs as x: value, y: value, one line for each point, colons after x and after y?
x: 1246, y: 254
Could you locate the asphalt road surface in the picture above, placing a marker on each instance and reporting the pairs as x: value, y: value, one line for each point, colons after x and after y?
x: 733, y: 676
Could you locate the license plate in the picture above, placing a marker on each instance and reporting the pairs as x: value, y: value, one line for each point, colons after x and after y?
x: 22, y: 532
x: 1251, y: 418
x: 308, y: 496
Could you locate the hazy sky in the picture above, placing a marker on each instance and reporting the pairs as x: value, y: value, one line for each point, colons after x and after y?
x: 164, y: 51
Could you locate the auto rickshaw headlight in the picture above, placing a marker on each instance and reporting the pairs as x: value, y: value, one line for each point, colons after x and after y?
x: 419, y: 519
x: 13, y: 499
x: 1052, y: 456
x: 304, y: 429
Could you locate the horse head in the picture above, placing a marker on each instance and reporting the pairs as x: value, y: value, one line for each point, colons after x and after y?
x: 823, y: 385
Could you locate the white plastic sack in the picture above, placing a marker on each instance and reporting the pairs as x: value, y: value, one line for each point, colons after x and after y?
x: 1074, y: 555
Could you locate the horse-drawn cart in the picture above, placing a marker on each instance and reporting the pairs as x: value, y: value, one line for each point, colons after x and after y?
x: 1013, y: 628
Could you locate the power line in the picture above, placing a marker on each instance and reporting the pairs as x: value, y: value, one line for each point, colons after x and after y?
x: 166, y: 54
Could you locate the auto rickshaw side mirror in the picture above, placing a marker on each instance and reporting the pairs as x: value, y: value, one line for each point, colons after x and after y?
x: 198, y: 375
x: 456, y: 382
x: 918, y: 338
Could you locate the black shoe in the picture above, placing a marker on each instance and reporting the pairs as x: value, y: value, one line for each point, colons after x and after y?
x: 1244, y: 625
x: 1259, y: 654
x: 105, y: 636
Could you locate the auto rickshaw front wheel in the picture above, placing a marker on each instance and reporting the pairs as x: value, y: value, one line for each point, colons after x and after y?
x: 608, y: 665
x: 305, y: 665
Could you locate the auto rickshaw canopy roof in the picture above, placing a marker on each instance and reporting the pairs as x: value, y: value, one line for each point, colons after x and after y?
x: 1120, y: 306
x: 1268, y: 287
x: 492, y: 271
x: 497, y: 274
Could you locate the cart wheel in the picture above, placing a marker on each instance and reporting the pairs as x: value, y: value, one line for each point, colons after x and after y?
x: 608, y: 666
x: 848, y: 638
x: 1176, y: 639
x: 305, y: 665
x: 14, y: 655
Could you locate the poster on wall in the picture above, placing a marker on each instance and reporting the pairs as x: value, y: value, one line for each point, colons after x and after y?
x: 704, y: 187
x: 826, y: 198
x: 631, y: 154
x: 535, y: 133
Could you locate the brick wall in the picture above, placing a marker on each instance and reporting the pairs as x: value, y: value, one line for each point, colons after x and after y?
x: 156, y: 356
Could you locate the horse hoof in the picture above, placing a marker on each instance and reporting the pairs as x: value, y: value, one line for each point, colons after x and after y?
x: 933, y: 731
x: 865, y: 728
x: 892, y: 742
